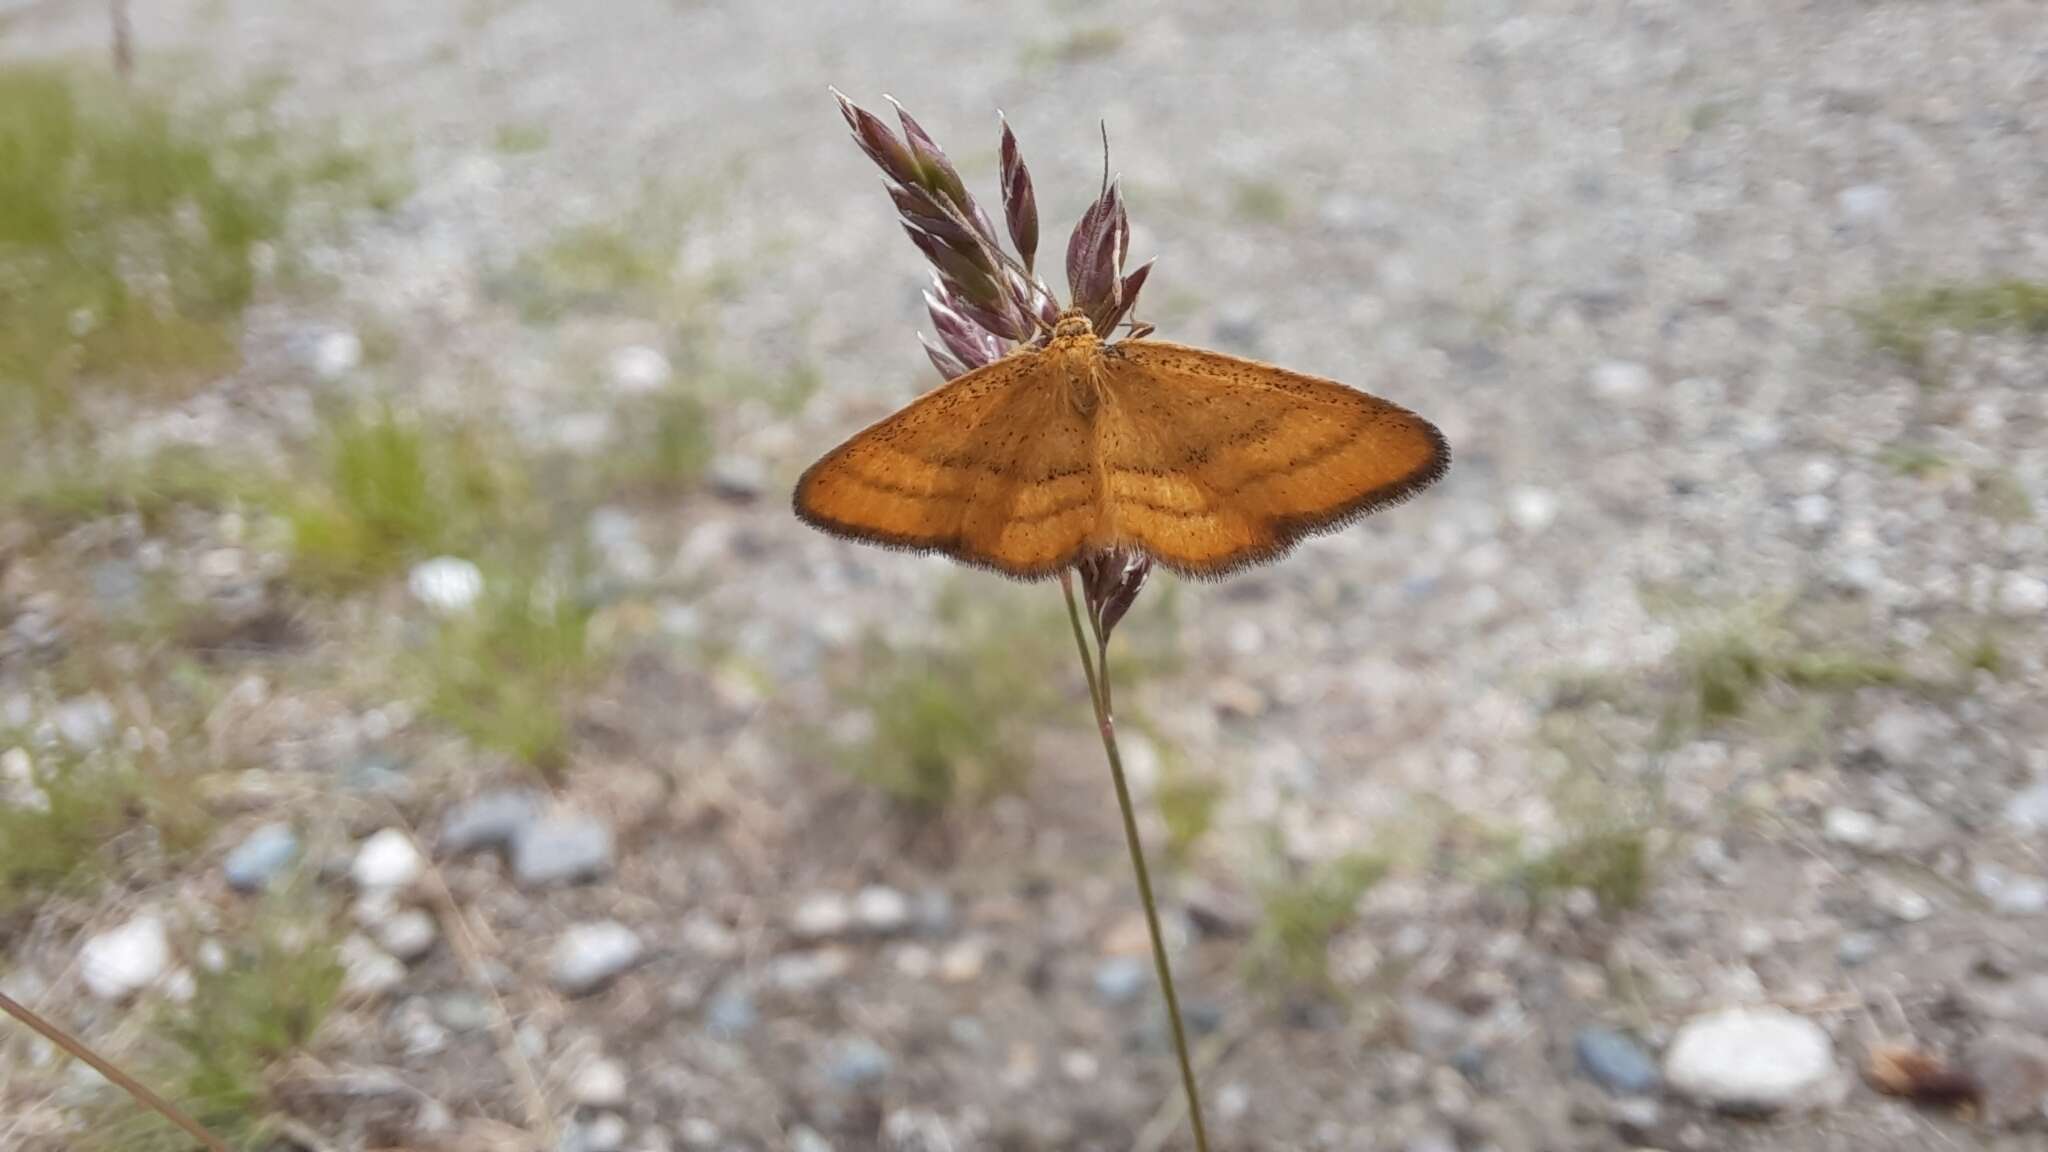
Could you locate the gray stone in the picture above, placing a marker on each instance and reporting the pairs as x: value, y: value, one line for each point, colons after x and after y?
x: 1433, y: 1028
x: 2027, y: 811
x: 857, y: 1063
x: 737, y: 477
x: 1865, y: 204
x: 589, y: 956
x: 1615, y: 1061
x: 604, y: 1132
x: 1120, y: 979
x: 490, y: 820
x: 2010, y: 893
x: 1856, y: 949
x: 731, y: 1013
x: 1753, y: 1061
x: 2021, y: 594
x: 261, y: 857
x: 2011, y: 1074
x: 84, y: 722
x: 562, y: 850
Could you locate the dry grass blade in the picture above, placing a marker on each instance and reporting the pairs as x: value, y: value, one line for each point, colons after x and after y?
x: 141, y: 1093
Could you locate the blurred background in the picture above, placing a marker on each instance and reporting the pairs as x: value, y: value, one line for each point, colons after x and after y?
x: 423, y: 724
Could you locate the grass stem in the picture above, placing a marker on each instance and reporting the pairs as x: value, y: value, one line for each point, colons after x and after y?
x: 1098, y: 693
x: 126, y: 1083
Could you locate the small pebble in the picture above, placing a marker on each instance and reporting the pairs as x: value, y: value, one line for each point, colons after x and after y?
x: 562, y: 849
x: 2027, y: 812
x: 491, y: 820
x: 1856, y: 949
x: 882, y: 910
x: 737, y: 477
x: 1753, y: 1061
x: 802, y: 1139
x: 821, y: 916
x: 2011, y: 893
x: 84, y: 722
x: 122, y: 961
x: 386, y: 861
x: 336, y: 354
x: 408, y: 934
x: 261, y: 857
x: 604, y: 1132
x: 857, y: 1063
x: 1120, y: 979
x: 637, y: 370
x: 367, y: 970
x: 2020, y: 594
x: 1615, y: 1061
x: 731, y: 1013
x: 590, y: 956
x: 601, y: 1084
x: 1620, y: 379
x: 1850, y: 828
x: 447, y: 584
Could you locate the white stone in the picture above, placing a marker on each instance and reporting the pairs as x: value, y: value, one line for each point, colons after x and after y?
x: 387, y: 861
x: 589, y: 956
x: 2028, y: 810
x: 637, y: 370
x: 601, y: 1084
x: 882, y: 910
x: 367, y: 970
x: 1850, y: 828
x: 1620, y: 379
x: 122, y: 961
x: 1532, y: 509
x: 1813, y: 510
x: 2010, y: 893
x: 1753, y: 1060
x: 2022, y: 595
x: 1865, y: 204
x: 446, y: 584
x: 822, y: 915
x: 336, y: 354
x: 409, y: 934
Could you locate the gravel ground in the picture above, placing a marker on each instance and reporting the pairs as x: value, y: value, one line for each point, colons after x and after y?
x: 1615, y: 250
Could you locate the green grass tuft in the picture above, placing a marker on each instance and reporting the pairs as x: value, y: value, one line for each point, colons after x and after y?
x: 521, y: 139
x: 1725, y: 669
x: 1903, y: 323
x: 221, y: 1053
x: 666, y: 446
x: 1261, y: 202
x: 505, y: 674
x: 1290, y: 948
x: 56, y: 829
x: 394, y: 492
x: 952, y: 722
x: 1611, y: 863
